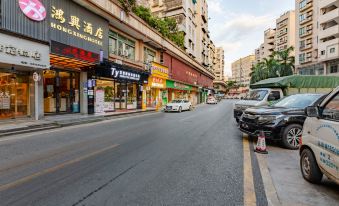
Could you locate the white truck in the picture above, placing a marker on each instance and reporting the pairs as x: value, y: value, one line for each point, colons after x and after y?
x: 319, y: 152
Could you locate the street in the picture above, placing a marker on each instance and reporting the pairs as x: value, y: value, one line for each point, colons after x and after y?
x: 189, y: 158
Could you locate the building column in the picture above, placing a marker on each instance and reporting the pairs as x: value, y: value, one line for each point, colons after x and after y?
x: 83, y: 93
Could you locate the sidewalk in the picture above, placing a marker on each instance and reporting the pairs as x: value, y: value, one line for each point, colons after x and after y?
x: 25, y: 125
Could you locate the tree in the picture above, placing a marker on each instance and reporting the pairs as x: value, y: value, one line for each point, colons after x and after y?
x: 286, y: 61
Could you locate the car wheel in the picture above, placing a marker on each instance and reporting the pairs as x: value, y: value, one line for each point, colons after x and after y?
x: 292, y: 136
x: 309, y: 167
x: 180, y: 110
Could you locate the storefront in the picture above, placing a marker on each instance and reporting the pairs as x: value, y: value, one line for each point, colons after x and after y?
x: 19, y: 59
x: 177, y: 90
x: 115, y: 87
x: 156, y: 92
x: 84, y: 37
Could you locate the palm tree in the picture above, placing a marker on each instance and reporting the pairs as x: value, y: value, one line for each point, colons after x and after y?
x: 286, y: 61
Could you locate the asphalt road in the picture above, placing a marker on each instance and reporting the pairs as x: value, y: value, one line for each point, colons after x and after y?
x: 189, y: 158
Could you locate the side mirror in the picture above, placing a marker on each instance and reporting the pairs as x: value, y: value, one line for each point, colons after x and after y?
x: 271, y: 98
x: 312, y: 111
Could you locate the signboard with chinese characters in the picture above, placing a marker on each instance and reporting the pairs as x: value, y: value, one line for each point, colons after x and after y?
x: 159, y: 70
x: 176, y: 85
x: 22, y: 52
x: 74, y: 25
x: 156, y: 82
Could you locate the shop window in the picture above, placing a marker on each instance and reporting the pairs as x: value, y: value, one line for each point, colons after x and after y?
x: 14, y: 95
x: 121, y: 46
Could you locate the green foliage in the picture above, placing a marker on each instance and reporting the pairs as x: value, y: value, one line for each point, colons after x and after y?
x: 279, y: 64
x: 127, y: 5
x: 167, y: 26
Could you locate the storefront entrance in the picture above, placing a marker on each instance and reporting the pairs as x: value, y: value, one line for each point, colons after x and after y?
x: 14, y: 95
x: 61, y: 91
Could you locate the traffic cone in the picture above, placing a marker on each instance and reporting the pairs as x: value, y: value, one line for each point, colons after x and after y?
x: 261, y: 143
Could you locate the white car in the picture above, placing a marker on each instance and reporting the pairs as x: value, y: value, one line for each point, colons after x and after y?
x: 319, y: 152
x: 178, y: 105
x: 212, y: 100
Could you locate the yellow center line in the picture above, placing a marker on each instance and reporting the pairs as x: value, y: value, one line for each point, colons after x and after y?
x: 249, y: 191
x: 53, y: 169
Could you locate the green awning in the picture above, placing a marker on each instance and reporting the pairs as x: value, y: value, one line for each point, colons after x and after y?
x: 298, y: 81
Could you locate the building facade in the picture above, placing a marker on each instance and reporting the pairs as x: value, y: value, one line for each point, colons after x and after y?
x: 219, y: 71
x: 306, y: 61
x: 328, y: 35
x: 285, y: 31
x: 241, y: 70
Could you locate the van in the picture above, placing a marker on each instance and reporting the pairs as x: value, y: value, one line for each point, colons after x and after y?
x: 319, y: 151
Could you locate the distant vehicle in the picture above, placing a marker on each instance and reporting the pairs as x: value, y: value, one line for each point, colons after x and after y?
x: 282, y: 121
x: 319, y: 152
x: 178, y: 105
x: 212, y: 100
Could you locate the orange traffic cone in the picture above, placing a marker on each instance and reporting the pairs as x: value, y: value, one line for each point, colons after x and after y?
x: 261, y: 143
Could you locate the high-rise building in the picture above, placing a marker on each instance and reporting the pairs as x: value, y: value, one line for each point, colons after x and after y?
x: 306, y: 51
x: 328, y: 35
x: 219, y: 68
x: 285, y: 31
x: 192, y: 19
x: 242, y: 69
x: 266, y: 49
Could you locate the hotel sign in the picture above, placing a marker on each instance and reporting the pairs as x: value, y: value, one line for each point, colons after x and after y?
x: 74, y: 25
x: 17, y: 51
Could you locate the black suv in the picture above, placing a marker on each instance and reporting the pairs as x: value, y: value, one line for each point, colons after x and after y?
x: 282, y: 121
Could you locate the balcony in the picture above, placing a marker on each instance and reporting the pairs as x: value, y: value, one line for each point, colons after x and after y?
x: 329, y: 32
x: 308, y: 5
x: 326, y: 47
x: 281, y: 24
x: 306, y: 34
x: 327, y: 3
x: 173, y: 4
x: 282, y: 33
x: 329, y: 16
x: 308, y: 19
x: 305, y: 47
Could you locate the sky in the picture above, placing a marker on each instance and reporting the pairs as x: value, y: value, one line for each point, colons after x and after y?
x: 238, y: 25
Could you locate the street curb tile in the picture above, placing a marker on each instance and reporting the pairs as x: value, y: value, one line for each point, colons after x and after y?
x: 271, y: 193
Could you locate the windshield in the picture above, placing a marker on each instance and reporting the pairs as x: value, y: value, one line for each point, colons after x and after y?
x: 298, y: 101
x: 257, y: 95
x: 176, y: 101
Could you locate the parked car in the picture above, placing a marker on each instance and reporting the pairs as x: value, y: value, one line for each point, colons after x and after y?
x: 256, y: 98
x: 319, y: 152
x: 212, y: 100
x: 282, y: 121
x: 178, y: 105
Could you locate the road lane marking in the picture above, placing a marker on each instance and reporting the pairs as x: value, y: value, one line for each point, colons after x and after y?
x: 249, y: 191
x: 53, y: 169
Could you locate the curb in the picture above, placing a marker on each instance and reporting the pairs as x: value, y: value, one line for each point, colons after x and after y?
x: 68, y: 123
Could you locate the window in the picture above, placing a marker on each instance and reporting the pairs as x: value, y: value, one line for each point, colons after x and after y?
x: 334, y: 69
x: 302, y: 4
x: 322, y: 52
x: 302, y: 57
x: 332, y: 50
x: 302, y: 44
x: 331, y: 110
x: 302, y: 31
x: 302, y: 17
x: 275, y: 94
x: 121, y: 46
x: 149, y: 55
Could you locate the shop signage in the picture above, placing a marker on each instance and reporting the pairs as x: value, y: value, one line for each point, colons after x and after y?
x: 157, y: 82
x: 121, y: 74
x: 159, y: 70
x: 74, y: 25
x: 73, y: 52
x: 33, y: 9
x: 16, y: 51
x: 176, y: 85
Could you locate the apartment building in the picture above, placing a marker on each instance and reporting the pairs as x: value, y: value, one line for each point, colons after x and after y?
x: 328, y: 35
x: 211, y: 56
x: 306, y: 52
x: 219, y: 68
x: 285, y: 31
x: 242, y: 68
x: 192, y: 19
x: 266, y: 49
